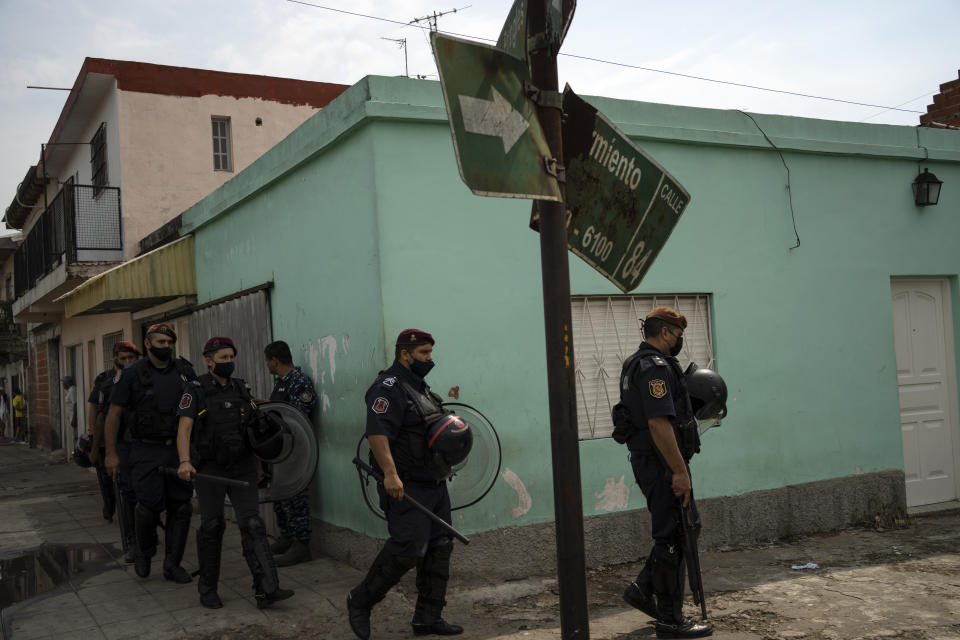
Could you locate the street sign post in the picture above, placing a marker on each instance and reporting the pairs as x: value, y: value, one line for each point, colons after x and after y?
x: 513, y: 36
x: 622, y: 205
x: 499, y: 143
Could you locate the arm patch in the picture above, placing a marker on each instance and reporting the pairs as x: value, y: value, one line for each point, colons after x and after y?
x: 380, y: 405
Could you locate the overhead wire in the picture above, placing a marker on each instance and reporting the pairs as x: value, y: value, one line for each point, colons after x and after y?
x: 633, y: 66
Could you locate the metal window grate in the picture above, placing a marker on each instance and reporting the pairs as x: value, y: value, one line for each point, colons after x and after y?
x: 98, y: 157
x: 221, y: 144
x: 606, y: 329
x: 97, y: 218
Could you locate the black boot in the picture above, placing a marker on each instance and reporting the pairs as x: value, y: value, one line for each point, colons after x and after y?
x: 107, y: 492
x: 145, y: 529
x: 209, y: 547
x: 433, y: 572
x: 639, y: 594
x: 175, y: 542
x: 256, y: 551
x: 386, y: 571
x: 128, y: 536
x: 667, y: 576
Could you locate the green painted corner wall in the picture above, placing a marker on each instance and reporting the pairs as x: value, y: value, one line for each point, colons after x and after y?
x: 377, y: 233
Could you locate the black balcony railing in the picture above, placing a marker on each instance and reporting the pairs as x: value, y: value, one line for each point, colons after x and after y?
x: 81, y: 224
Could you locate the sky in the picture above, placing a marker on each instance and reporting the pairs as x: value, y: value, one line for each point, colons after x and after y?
x: 880, y: 52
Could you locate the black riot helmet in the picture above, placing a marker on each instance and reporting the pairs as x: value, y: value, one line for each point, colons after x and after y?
x: 81, y: 452
x: 708, y: 393
x: 449, y: 440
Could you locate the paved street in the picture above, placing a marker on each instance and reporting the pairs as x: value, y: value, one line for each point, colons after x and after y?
x: 901, y: 580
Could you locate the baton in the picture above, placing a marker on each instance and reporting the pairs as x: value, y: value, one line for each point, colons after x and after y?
x: 361, y: 465
x: 230, y: 482
x: 693, y: 560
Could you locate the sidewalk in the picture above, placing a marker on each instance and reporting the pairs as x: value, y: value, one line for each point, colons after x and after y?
x: 900, y: 582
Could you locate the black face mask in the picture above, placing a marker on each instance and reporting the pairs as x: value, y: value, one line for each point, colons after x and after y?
x: 223, y: 369
x: 421, y: 367
x: 675, y: 349
x: 162, y: 353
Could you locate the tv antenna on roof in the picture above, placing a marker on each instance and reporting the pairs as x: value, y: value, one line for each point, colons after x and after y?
x: 402, y: 43
x: 431, y: 19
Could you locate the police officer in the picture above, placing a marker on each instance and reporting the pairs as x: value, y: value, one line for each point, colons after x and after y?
x: 662, y: 437
x: 400, y: 406
x: 98, y: 405
x: 293, y: 515
x: 215, y: 411
x: 145, y: 401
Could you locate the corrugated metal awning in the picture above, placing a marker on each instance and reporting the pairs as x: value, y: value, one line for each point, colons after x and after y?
x: 151, y: 279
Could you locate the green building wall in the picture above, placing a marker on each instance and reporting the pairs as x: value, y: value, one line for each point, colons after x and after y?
x: 362, y: 223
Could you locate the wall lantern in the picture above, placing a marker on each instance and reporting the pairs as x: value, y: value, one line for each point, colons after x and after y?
x: 926, y: 189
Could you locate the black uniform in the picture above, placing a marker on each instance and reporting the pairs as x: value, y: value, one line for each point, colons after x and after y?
x: 400, y: 406
x: 651, y: 385
x: 219, y: 447
x: 149, y: 397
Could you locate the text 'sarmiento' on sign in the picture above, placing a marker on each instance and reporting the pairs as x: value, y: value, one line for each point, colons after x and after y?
x: 605, y: 152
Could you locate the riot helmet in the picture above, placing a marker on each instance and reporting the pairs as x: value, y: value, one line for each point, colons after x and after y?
x: 81, y: 452
x: 708, y: 393
x: 449, y: 440
x: 269, y: 437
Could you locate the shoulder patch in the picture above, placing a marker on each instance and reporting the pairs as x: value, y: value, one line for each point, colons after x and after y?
x: 389, y: 382
x: 380, y: 405
x: 658, y: 388
x: 306, y: 395
x: 185, y: 401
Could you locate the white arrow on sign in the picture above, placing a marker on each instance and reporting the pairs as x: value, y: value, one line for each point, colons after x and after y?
x: 495, y: 117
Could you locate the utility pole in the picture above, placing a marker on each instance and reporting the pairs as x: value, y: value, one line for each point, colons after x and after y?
x: 561, y: 381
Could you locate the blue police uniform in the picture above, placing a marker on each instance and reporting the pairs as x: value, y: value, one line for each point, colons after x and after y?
x: 293, y: 514
x: 651, y: 386
x: 150, y: 397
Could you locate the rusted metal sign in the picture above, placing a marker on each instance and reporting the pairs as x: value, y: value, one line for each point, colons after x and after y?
x: 499, y: 143
x: 621, y: 205
x: 514, y: 37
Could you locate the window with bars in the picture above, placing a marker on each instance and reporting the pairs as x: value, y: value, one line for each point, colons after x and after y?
x: 606, y: 330
x: 110, y: 339
x: 98, y: 159
x: 221, y: 145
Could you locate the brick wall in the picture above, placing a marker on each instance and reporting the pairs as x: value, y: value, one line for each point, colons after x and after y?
x: 38, y: 397
x: 946, y: 105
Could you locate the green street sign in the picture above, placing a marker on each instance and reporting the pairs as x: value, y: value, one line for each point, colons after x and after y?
x: 621, y: 205
x: 513, y: 36
x: 499, y: 143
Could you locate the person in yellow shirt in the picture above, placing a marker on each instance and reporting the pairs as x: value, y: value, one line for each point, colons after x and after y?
x: 19, y: 430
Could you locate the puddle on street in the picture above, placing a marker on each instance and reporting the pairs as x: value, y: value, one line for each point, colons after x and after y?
x: 29, y: 573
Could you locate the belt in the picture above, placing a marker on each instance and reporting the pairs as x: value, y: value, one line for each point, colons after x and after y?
x: 150, y: 441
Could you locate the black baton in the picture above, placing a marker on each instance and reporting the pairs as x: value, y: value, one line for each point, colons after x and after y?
x: 693, y: 560
x: 413, y: 503
x: 230, y: 482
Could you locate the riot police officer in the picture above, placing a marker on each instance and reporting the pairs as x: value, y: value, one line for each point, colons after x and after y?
x: 293, y: 515
x: 214, y: 413
x: 656, y: 422
x: 400, y: 408
x: 145, y: 401
x: 124, y: 355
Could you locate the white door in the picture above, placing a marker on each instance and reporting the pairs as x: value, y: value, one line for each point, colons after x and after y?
x: 927, y: 383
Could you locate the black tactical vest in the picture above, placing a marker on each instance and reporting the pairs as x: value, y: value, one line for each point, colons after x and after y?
x: 630, y: 422
x: 220, y: 433
x: 142, y: 417
x: 410, y: 448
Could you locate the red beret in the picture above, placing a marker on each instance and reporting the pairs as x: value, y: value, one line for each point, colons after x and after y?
x: 164, y: 328
x: 218, y: 342
x: 125, y: 346
x: 410, y: 337
x: 669, y: 316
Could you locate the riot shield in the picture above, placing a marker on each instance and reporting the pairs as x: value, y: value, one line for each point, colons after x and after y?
x: 472, y: 479
x: 290, y: 469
